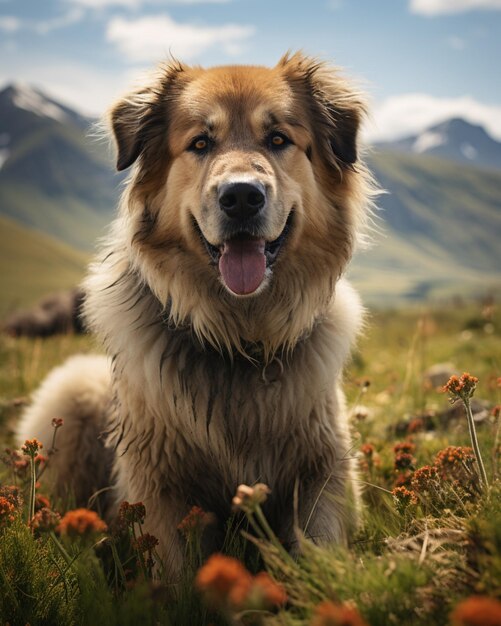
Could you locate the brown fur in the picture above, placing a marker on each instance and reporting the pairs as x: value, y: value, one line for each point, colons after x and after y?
x: 212, y: 389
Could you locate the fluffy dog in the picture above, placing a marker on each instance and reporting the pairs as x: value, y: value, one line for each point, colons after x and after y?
x: 219, y: 298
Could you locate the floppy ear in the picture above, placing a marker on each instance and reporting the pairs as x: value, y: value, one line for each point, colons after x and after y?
x: 336, y: 108
x: 127, y: 120
x: 141, y: 116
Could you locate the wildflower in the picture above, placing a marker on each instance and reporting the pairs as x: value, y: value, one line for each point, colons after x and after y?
x: 367, y: 449
x: 404, y: 461
x: 7, y: 511
x: 404, y: 447
x: 247, y: 498
x: 13, y: 495
x: 460, y: 388
x: 477, y: 611
x: 496, y: 410
x: 415, y: 426
x: 57, y: 422
x: 81, y: 522
x: 330, y: 614
x: 463, y: 389
x: 224, y: 582
x: 41, y: 502
x: 195, y: 522
x: 267, y: 592
x: 145, y: 543
x: 455, y: 463
x: 45, y: 520
x: 41, y: 460
x: 403, y: 498
x: 131, y: 513
x: 31, y: 447
x: 425, y: 479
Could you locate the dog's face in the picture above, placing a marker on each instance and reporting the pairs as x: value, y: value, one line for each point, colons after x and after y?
x: 248, y: 173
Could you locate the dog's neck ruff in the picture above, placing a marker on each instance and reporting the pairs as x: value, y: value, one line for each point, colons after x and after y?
x: 253, y: 352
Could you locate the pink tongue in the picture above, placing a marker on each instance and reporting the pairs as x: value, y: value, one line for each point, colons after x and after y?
x: 243, y: 264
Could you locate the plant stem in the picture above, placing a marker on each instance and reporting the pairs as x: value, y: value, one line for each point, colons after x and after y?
x: 33, y: 479
x: 474, y: 443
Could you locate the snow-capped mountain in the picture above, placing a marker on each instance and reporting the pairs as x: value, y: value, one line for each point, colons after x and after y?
x: 454, y: 139
x: 53, y: 176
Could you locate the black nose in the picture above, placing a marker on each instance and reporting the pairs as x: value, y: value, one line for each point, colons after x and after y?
x: 242, y: 200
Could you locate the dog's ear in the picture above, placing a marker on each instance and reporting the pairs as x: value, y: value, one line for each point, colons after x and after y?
x: 139, y: 117
x: 336, y: 108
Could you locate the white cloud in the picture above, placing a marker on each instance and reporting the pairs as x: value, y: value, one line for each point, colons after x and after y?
x: 9, y: 24
x: 152, y: 38
x: 431, y: 8
x: 407, y: 114
x: 71, y: 17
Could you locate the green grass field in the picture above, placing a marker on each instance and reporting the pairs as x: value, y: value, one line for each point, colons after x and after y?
x: 414, y: 559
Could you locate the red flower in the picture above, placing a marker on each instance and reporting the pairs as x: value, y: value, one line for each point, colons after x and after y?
x: 131, y: 513
x: 7, y: 511
x: 195, y: 522
x: 477, y: 611
x: 45, y: 520
x: 145, y: 543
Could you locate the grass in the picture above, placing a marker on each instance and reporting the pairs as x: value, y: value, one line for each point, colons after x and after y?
x: 413, y: 560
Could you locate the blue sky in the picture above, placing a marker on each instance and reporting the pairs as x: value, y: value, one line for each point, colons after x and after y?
x: 420, y: 60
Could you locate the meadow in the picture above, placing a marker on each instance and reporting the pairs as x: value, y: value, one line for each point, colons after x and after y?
x: 427, y: 551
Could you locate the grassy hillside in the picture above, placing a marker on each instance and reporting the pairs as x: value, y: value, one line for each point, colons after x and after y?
x: 439, y: 225
x: 33, y: 264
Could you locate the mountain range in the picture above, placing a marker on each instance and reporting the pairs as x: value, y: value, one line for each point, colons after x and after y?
x: 436, y: 230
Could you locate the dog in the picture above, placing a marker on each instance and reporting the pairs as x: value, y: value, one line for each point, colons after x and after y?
x: 220, y: 299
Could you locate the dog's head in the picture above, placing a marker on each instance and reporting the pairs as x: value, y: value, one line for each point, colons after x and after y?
x: 246, y: 183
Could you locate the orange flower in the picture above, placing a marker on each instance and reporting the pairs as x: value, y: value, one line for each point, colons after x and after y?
x: 194, y: 523
x: 45, y: 520
x: 403, y: 498
x: 463, y: 387
x: 477, y: 611
x: 406, y: 447
x: 31, y: 447
x: 425, y: 479
x: 330, y: 614
x: 455, y: 463
x: 7, y: 511
x: 13, y: 495
x: 81, y: 522
x: 269, y: 593
x: 41, y: 502
x: 224, y: 582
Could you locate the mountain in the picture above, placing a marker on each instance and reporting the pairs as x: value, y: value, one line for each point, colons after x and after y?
x: 453, y: 139
x: 53, y: 177
x: 437, y: 229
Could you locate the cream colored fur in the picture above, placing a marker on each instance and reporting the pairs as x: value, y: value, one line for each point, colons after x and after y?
x: 210, y: 390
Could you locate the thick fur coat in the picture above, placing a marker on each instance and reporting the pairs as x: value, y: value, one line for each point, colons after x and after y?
x: 224, y: 314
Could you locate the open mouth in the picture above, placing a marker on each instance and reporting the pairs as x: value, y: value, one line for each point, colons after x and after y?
x: 244, y: 259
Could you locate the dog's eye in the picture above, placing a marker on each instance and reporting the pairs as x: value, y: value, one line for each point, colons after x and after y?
x: 277, y: 141
x: 200, y: 144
